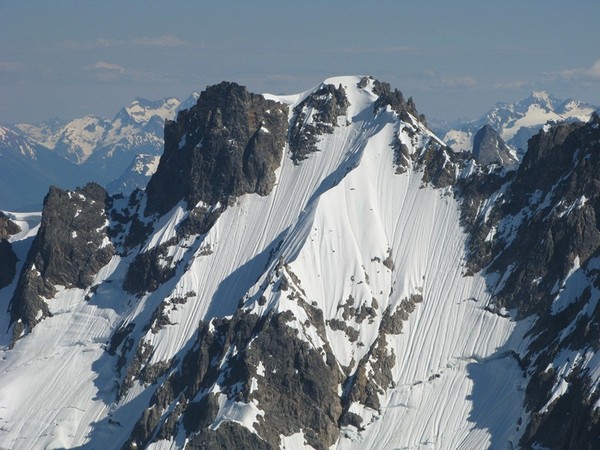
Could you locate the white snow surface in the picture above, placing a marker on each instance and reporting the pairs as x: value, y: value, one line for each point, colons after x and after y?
x: 535, y: 115
x: 28, y: 222
x: 336, y: 214
x: 141, y: 112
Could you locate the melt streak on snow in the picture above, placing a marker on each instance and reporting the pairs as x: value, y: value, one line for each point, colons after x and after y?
x: 335, y: 215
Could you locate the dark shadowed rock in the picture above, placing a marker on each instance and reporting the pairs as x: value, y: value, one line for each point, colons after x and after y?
x: 149, y: 270
x: 8, y: 263
x: 71, y: 246
x: 395, y: 100
x: 227, y: 145
x: 322, y: 107
x: 297, y: 389
x: 7, y: 226
x: 440, y: 165
x: 8, y: 258
x: 489, y: 148
x: 554, y: 197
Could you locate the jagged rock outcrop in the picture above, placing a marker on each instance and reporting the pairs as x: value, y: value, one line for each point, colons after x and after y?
x: 255, y: 363
x: 489, y: 148
x: 227, y: 145
x: 69, y: 249
x: 440, y: 165
x: 8, y: 262
x: 7, y: 227
x: 8, y: 258
x: 149, y: 270
x: 561, y: 167
x: 314, y: 116
x: 395, y: 100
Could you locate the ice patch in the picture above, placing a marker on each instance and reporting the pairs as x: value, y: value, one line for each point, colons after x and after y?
x: 244, y: 414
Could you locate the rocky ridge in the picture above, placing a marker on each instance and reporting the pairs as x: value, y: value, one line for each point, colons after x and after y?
x: 278, y: 354
x: 539, y: 241
x: 69, y: 249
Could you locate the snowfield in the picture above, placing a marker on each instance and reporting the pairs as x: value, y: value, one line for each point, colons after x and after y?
x: 334, y: 220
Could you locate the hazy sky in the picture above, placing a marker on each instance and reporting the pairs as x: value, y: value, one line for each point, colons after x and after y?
x: 455, y: 58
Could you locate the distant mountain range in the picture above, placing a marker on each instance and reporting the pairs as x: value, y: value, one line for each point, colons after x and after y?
x: 517, y: 122
x: 86, y: 149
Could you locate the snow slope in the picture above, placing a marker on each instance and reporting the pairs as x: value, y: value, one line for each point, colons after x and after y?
x: 333, y: 221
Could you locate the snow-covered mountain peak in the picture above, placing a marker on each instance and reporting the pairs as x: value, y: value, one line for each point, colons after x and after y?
x: 142, y: 111
x: 80, y: 137
x: 190, y: 101
x: 543, y: 98
x: 312, y: 271
x: 11, y: 140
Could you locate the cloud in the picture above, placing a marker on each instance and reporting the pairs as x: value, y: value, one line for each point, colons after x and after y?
x: 591, y: 73
x: 11, y: 67
x: 517, y: 84
x: 90, y: 45
x: 434, y: 80
x: 165, y: 40
x: 397, y: 49
x: 108, y: 72
x: 102, y: 65
x: 104, y: 71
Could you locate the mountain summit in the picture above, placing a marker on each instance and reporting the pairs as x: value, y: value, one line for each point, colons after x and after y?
x: 311, y: 271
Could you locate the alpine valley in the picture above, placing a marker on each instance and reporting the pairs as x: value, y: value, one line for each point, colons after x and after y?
x: 319, y: 271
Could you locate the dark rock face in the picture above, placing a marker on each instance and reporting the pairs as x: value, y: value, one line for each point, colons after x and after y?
x: 227, y: 145
x: 229, y: 435
x: 149, y: 270
x: 544, y: 219
x: 69, y: 249
x: 440, y: 165
x: 297, y: 386
x: 8, y: 263
x: 8, y: 259
x: 489, y: 148
x: 395, y: 100
x: 548, y: 239
x: 7, y: 227
x: 373, y: 374
x: 402, y: 156
x: 316, y: 115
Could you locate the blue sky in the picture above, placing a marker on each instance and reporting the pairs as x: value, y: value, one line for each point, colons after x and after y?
x: 456, y: 59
